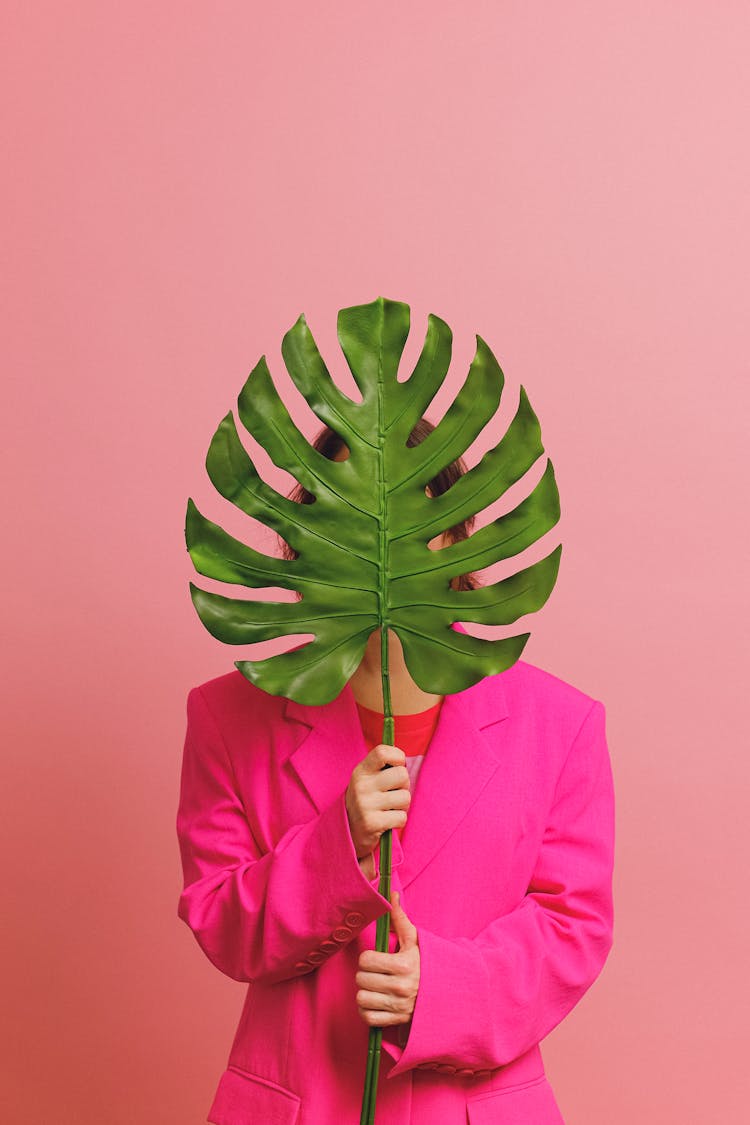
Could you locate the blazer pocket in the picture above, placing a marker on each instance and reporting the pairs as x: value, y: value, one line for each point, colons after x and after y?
x: 244, y: 1099
x: 532, y: 1104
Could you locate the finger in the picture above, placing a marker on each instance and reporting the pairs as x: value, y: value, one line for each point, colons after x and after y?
x: 403, y: 927
x: 383, y: 1019
x: 395, y: 819
x: 396, y: 986
x: 372, y: 982
x: 371, y: 961
x: 395, y: 777
x: 392, y: 799
x: 377, y: 982
x: 380, y: 1002
x: 383, y: 755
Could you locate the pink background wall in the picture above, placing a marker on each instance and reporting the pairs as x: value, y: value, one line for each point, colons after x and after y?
x: 181, y: 181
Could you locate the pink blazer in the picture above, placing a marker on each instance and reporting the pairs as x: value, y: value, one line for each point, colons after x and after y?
x: 505, y: 867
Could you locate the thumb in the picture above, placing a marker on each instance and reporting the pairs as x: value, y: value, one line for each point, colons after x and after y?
x: 403, y: 927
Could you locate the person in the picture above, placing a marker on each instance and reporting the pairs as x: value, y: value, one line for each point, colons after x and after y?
x: 502, y: 804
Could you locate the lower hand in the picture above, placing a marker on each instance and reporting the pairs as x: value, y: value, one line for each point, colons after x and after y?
x: 388, y: 982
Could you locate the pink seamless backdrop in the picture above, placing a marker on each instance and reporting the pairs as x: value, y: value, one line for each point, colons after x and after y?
x: 180, y: 182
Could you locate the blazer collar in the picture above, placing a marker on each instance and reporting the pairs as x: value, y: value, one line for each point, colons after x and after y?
x: 464, y: 753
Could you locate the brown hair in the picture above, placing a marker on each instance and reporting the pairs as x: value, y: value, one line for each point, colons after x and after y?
x: 329, y: 443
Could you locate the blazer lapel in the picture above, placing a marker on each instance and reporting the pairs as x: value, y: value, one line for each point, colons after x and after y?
x: 462, y: 757
x: 329, y: 744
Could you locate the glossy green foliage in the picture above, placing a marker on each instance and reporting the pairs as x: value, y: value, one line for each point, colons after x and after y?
x: 363, y: 556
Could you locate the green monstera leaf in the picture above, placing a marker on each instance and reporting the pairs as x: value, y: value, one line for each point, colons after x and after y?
x: 363, y: 557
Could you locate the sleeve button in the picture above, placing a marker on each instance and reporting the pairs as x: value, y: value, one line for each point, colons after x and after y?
x: 316, y: 957
x: 301, y: 966
x: 329, y: 946
x: 341, y: 933
x: 465, y: 1072
x: 354, y: 918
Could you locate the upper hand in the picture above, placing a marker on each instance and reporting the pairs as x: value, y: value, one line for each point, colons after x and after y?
x: 377, y: 796
x: 388, y: 982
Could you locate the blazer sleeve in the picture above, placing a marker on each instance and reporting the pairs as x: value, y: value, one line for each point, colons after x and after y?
x: 483, y: 1001
x: 257, y: 915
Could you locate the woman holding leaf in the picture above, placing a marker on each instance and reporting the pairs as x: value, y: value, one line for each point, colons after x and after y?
x: 497, y: 821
